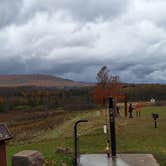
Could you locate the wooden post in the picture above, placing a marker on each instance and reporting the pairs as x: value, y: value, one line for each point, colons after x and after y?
x: 125, y: 105
x: 4, y: 136
x: 3, y: 161
x: 115, y: 105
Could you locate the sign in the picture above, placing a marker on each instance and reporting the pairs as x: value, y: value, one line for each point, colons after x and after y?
x: 4, y: 133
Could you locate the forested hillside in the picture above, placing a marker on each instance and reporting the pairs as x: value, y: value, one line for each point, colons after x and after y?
x: 44, y: 98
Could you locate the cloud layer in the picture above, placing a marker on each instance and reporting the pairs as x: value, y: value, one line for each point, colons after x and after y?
x: 74, y: 38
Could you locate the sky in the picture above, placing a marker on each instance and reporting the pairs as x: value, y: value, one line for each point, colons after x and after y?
x: 74, y: 38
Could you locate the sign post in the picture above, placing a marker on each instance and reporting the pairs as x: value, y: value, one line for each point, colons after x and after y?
x: 4, y: 136
x: 155, y: 117
x: 112, y: 127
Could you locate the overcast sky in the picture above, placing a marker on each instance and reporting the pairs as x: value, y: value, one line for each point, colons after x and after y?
x: 75, y: 38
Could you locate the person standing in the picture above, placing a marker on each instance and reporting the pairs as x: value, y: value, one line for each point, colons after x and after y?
x: 131, y: 111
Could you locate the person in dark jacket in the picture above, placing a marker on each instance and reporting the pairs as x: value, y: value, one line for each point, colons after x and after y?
x: 131, y: 111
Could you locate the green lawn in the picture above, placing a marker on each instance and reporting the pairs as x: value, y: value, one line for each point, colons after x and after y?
x: 136, y: 135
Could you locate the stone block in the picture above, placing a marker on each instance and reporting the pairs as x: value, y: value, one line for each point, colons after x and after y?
x: 27, y: 158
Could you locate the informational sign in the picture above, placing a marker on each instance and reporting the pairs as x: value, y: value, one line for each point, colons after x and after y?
x: 4, y: 132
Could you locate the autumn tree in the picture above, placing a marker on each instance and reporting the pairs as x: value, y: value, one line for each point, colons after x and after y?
x: 103, y: 77
x: 107, y: 85
x: 100, y: 92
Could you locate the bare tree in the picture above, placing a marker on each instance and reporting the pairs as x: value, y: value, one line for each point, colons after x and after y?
x: 103, y: 77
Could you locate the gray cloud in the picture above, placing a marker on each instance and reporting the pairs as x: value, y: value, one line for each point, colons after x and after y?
x: 9, y: 11
x: 19, y: 11
x: 73, y: 39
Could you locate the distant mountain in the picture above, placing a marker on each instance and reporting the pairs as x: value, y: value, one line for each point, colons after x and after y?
x: 39, y: 80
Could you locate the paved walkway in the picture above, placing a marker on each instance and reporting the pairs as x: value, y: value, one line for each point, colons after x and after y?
x: 120, y: 160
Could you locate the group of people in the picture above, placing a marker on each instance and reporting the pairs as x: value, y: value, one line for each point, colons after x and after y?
x: 137, y: 109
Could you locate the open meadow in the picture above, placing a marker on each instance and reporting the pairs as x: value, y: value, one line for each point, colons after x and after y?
x: 51, y: 132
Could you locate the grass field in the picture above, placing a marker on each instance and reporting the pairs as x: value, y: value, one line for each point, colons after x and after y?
x: 47, y: 132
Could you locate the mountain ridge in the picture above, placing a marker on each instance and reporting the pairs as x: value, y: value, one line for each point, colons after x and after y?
x: 39, y: 80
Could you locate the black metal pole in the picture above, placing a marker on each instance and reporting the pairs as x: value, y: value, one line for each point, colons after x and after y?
x: 112, y: 126
x: 155, y: 122
x: 76, y: 142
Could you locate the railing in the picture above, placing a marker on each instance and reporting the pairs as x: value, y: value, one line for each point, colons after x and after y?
x: 78, y: 150
x: 76, y: 154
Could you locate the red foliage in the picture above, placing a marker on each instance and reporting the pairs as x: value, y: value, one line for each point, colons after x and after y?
x: 106, y: 86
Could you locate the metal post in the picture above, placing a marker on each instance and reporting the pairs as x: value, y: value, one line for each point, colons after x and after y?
x: 112, y: 127
x: 75, y: 163
x: 78, y: 149
x: 155, y: 117
x: 155, y: 123
x: 75, y: 145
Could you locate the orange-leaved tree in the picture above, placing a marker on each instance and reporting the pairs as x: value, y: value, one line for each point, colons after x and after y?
x: 107, y: 85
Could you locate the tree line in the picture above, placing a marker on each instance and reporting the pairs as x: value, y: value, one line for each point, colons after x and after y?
x: 36, y: 98
x: 42, y: 98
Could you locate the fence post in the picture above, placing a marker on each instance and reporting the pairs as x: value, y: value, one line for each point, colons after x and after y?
x: 125, y: 105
